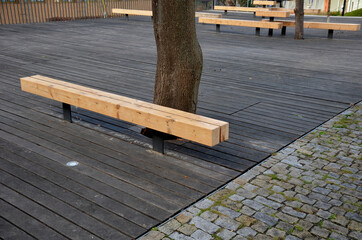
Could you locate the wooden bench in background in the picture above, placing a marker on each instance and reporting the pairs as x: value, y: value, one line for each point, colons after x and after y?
x: 237, y: 9
x: 306, y: 10
x: 265, y: 3
x: 255, y: 9
x: 322, y: 25
x: 272, y: 15
x: 128, y: 12
x: 241, y: 23
x: 178, y: 123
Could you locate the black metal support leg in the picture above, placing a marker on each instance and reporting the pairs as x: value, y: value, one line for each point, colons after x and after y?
x: 217, y: 27
x: 67, y: 112
x: 254, y: 14
x: 257, y: 31
x: 270, y: 34
x: 127, y: 17
x: 284, y: 31
x: 225, y: 12
x: 330, y: 33
x: 158, y: 143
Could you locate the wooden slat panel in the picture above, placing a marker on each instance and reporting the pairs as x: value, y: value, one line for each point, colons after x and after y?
x: 241, y: 23
x: 283, y: 14
x: 127, y: 110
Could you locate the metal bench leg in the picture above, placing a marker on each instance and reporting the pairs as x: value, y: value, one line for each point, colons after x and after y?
x: 284, y: 31
x: 257, y: 31
x: 158, y: 143
x: 127, y: 17
x: 217, y: 27
x: 225, y: 12
x: 270, y: 34
x: 330, y: 33
x: 67, y: 112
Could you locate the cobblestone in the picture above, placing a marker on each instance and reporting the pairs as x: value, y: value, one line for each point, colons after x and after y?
x: 204, y: 225
x: 309, y: 190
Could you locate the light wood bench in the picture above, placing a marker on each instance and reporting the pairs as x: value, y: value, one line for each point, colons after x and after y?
x: 306, y: 10
x: 241, y: 23
x: 128, y: 12
x: 272, y: 15
x: 265, y: 3
x: 322, y: 25
x: 178, y: 123
x: 237, y: 9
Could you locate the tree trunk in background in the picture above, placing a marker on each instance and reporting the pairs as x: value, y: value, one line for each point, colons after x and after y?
x: 329, y: 11
x: 179, y: 56
x: 299, y: 19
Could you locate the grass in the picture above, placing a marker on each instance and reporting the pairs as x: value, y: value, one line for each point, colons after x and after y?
x: 299, y: 228
x: 355, y: 13
x: 274, y: 176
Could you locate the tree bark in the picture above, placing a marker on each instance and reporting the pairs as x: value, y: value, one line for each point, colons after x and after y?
x: 179, y: 56
x: 299, y: 19
x: 329, y: 11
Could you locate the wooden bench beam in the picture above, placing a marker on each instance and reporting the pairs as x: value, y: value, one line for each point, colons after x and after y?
x: 149, y: 13
x: 282, y: 14
x: 189, y: 126
x: 322, y: 25
x: 265, y: 3
x: 241, y: 23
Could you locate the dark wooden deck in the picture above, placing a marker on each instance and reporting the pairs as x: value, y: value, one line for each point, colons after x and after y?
x: 271, y: 90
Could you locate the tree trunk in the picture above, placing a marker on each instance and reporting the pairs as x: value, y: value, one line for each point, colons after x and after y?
x: 179, y: 56
x: 299, y: 19
x: 329, y: 11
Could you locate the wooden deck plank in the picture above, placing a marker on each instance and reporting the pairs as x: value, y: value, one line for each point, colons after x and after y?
x: 10, y: 231
x: 70, y: 213
x: 137, y: 170
x: 16, y: 208
x: 169, y: 201
x: 140, y: 211
x: 60, y: 191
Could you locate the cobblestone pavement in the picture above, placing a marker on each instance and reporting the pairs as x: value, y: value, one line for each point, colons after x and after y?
x: 309, y: 190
